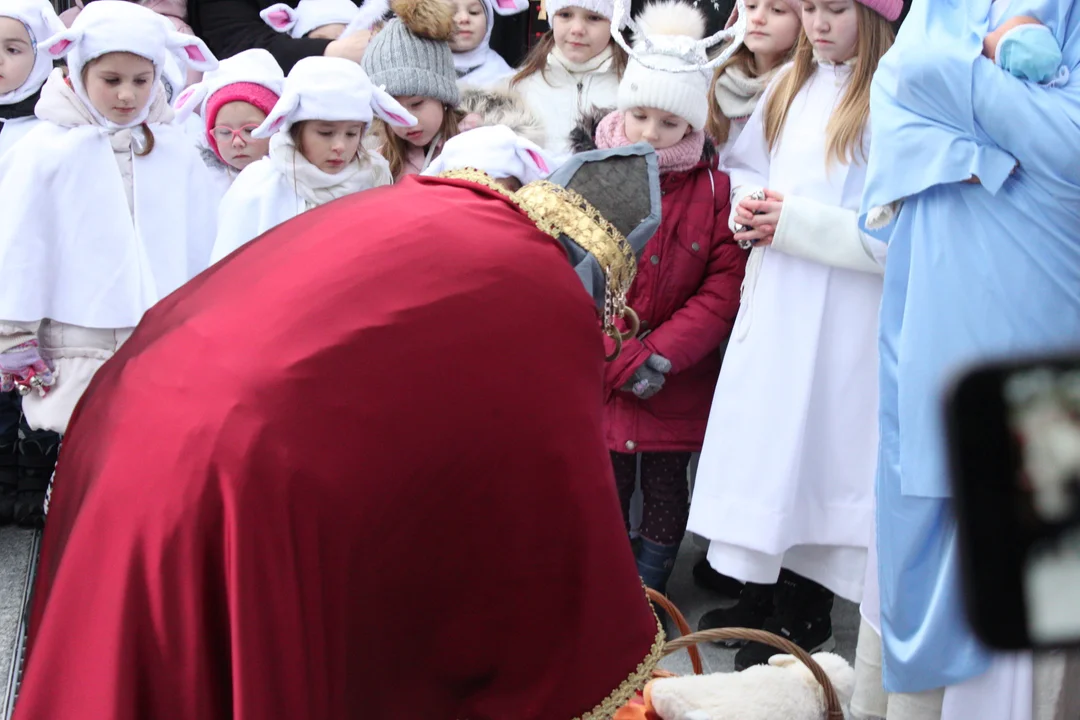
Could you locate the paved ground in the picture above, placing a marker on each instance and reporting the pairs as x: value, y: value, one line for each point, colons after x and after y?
x: 695, y: 602
x: 15, y: 548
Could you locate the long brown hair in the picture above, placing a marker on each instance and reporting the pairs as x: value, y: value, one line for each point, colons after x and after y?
x: 847, y: 126
x: 396, y: 149
x: 537, y: 59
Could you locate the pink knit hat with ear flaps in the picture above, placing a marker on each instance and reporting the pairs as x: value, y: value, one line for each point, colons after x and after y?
x: 261, y: 97
x: 889, y: 9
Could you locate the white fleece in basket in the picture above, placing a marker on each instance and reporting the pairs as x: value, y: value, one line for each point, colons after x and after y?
x: 784, y: 688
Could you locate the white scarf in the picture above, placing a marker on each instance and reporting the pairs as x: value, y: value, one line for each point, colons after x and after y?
x: 737, y: 93
x: 583, y: 68
x: 316, y: 187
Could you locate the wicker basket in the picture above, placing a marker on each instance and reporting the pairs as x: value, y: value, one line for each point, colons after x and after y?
x: 689, y: 641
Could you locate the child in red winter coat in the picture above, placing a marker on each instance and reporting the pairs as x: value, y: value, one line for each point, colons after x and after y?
x: 686, y: 292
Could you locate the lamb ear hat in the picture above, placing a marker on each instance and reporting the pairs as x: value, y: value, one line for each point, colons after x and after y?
x: 41, y: 22
x: 309, y: 15
x: 495, y: 149
x: 255, y: 66
x: 110, y: 26
x: 328, y: 88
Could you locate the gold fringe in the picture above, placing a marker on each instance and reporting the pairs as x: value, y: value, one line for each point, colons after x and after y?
x: 635, y: 682
x: 558, y: 211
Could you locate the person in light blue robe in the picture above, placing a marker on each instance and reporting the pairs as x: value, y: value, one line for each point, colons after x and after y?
x: 976, y: 176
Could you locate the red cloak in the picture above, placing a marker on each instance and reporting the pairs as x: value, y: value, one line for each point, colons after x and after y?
x: 356, y: 470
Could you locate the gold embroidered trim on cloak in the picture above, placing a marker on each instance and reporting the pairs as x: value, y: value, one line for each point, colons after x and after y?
x: 636, y: 681
x: 557, y: 211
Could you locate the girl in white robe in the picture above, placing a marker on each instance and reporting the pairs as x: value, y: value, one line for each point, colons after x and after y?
x: 106, y: 207
x: 787, y: 468
x: 328, y: 102
x: 24, y: 64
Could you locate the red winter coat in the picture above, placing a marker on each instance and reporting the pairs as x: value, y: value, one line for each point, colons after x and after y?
x: 686, y: 294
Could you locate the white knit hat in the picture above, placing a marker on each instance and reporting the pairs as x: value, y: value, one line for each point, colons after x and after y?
x: 255, y: 66
x: 329, y: 88
x: 310, y: 15
x: 41, y: 22
x: 600, y: 7
x: 110, y: 26
x: 495, y: 149
x: 672, y: 29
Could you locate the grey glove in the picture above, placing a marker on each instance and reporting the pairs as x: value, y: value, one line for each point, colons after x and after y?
x: 659, y: 363
x: 649, y: 378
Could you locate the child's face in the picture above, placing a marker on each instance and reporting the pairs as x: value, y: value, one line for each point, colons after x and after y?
x: 16, y: 55
x: 659, y: 128
x: 119, y: 85
x: 232, y: 133
x: 771, y: 31
x: 429, y: 114
x: 328, y: 32
x: 470, y: 25
x: 330, y: 146
x: 833, y: 27
x: 580, y: 34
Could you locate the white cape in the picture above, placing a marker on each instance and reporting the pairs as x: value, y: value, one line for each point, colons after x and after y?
x: 69, y: 248
x: 11, y: 131
x: 489, y: 73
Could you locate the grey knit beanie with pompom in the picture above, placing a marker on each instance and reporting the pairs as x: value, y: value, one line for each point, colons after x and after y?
x: 411, y: 55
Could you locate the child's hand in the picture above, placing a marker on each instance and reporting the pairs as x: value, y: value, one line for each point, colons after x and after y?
x: 350, y: 47
x: 762, y: 216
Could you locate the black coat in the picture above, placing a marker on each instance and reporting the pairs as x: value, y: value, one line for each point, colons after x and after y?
x: 232, y: 26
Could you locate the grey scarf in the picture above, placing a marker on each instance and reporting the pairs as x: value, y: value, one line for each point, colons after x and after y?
x: 737, y: 93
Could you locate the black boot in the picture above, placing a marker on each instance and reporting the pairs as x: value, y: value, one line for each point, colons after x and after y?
x: 803, y: 616
x: 37, y: 460
x: 708, y: 579
x: 754, y: 607
x: 10, y: 412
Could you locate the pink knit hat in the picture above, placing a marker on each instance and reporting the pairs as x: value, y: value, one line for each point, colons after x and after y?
x: 261, y: 97
x: 889, y: 9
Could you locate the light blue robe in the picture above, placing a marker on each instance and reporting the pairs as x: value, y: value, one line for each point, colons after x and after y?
x: 974, y: 272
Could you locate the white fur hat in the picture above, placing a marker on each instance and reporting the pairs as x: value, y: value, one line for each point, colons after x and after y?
x: 310, y: 15
x: 256, y: 66
x: 600, y: 7
x: 41, y: 22
x: 495, y: 149
x: 670, y: 26
x: 328, y: 88
x: 110, y: 26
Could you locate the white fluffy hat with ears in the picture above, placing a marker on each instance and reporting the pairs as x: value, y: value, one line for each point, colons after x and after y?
x: 328, y: 88
x: 309, y: 15
x: 495, y: 149
x: 41, y: 22
x: 255, y: 66
x: 112, y: 26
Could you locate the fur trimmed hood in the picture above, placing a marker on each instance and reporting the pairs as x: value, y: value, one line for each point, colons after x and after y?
x: 583, y: 136
x: 501, y: 106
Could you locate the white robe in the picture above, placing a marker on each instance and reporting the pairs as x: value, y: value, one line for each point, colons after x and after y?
x: 787, y: 468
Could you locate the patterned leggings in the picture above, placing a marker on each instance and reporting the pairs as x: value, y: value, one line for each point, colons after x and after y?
x: 665, y: 490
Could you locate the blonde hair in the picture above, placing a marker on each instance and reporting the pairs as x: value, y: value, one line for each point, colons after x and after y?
x: 396, y: 149
x: 536, y: 60
x: 847, y: 126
